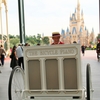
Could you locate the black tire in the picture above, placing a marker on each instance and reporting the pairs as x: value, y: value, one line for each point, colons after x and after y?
x: 88, y: 81
x: 16, y: 69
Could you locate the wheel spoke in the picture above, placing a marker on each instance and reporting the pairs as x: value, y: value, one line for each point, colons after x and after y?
x: 16, y: 84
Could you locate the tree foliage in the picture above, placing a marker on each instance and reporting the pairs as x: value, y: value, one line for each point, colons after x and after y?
x: 98, y: 37
x: 32, y: 40
x: 14, y: 41
x: 45, y: 40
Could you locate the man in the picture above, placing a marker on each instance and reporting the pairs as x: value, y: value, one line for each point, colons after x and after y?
x: 2, y: 55
x: 19, y: 53
x: 56, y: 38
x: 83, y: 49
x: 98, y: 49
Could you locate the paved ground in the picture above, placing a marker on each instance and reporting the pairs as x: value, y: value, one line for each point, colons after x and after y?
x: 90, y: 57
x: 4, y: 78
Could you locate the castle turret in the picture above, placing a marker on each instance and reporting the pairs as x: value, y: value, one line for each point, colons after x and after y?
x: 82, y: 19
x: 78, y: 16
x: 77, y: 31
x: 78, y: 11
x: 82, y: 15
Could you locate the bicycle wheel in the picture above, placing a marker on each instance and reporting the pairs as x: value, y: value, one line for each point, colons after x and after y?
x: 88, y: 82
x: 16, y: 84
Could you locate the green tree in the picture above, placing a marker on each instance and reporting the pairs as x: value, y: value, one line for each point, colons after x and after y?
x: 0, y: 36
x: 91, y: 43
x: 14, y: 41
x: 36, y: 39
x: 39, y: 39
x: 98, y: 37
x: 11, y: 36
x: 45, y: 40
x: 32, y: 40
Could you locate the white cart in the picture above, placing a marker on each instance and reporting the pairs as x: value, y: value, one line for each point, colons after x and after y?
x: 51, y: 73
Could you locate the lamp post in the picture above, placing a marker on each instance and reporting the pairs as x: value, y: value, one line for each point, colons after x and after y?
x: 21, y: 20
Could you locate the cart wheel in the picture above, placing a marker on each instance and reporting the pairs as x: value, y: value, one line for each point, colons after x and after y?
x: 88, y: 83
x: 16, y: 84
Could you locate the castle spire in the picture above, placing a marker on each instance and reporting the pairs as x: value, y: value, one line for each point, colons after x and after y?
x: 75, y: 10
x: 81, y: 12
x: 82, y: 17
x: 70, y: 14
x: 78, y: 2
x: 92, y: 30
x: 78, y: 10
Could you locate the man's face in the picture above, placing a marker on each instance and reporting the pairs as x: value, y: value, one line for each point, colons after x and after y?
x: 56, y: 39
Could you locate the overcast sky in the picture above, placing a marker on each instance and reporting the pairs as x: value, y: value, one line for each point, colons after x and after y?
x: 47, y: 16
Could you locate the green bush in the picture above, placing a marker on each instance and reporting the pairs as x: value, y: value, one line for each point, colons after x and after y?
x: 90, y: 48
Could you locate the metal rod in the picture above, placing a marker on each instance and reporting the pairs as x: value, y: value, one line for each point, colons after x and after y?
x: 21, y: 21
x: 20, y: 28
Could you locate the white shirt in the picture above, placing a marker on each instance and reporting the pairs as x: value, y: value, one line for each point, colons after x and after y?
x: 19, y: 52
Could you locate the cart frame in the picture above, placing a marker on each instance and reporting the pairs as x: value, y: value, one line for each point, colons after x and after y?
x: 54, y: 72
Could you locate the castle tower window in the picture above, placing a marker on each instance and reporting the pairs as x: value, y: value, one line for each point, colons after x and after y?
x: 74, y: 30
x: 81, y: 30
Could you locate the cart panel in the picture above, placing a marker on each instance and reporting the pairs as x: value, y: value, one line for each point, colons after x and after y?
x: 34, y: 74
x: 52, y: 78
x: 70, y: 73
x: 52, y: 68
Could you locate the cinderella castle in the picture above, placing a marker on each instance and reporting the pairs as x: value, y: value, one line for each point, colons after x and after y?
x: 77, y: 31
